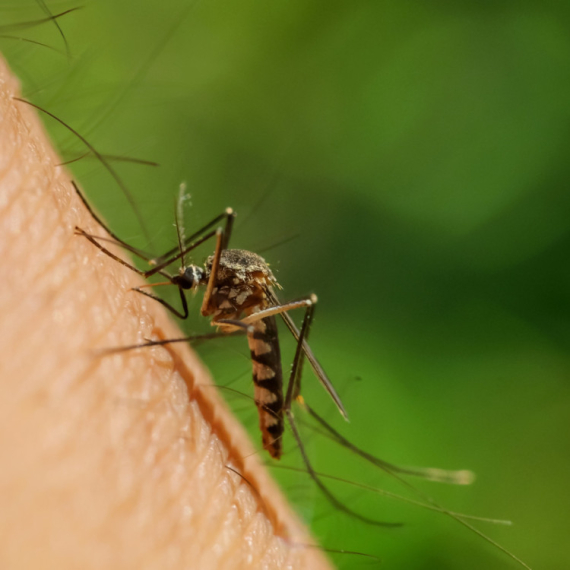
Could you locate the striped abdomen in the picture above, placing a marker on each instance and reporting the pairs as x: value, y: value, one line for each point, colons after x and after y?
x: 268, y: 381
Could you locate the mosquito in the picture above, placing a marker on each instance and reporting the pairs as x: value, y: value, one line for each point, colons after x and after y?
x: 261, y: 287
x: 241, y: 299
x: 239, y: 296
x: 248, y: 289
x: 239, y: 282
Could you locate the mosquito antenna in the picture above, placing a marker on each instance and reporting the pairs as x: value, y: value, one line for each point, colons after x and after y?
x: 48, y: 13
x: 179, y: 220
x: 101, y: 158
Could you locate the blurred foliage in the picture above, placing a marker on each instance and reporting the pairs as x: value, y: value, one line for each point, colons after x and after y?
x: 418, y: 152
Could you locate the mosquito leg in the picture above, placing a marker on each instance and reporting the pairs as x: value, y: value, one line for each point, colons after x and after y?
x: 293, y: 388
x: 173, y: 310
x: 156, y: 269
x: 146, y: 274
x: 92, y: 239
x: 213, y: 272
x: 461, y: 477
x: 228, y: 229
x: 190, y: 339
x: 164, y: 260
x: 294, y: 385
x: 228, y: 215
x: 117, y: 239
x: 277, y: 309
x: 324, y: 489
x: 282, y: 310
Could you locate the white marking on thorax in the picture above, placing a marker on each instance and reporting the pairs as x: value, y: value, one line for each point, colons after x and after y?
x: 240, y: 299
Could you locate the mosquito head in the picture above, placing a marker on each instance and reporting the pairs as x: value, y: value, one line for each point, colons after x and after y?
x: 189, y: 277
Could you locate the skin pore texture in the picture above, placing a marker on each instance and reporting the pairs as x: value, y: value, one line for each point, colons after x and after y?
x: 118, y: 461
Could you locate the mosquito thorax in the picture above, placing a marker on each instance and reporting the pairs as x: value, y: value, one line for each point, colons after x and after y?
x: 241, y: 267
x: 189, y: 277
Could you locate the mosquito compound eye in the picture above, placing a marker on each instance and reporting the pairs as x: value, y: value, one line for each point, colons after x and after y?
x: 192, y: 277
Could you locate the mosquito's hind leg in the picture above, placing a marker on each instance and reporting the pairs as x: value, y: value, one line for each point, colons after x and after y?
x: 189, y: 339
x: 283, y: 311
x: 294, y: 387
x: 293, y: 393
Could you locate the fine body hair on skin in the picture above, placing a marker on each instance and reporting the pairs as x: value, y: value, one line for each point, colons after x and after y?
x: 118, y: 462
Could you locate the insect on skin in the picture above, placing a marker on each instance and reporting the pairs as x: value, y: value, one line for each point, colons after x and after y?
x: 247, y: 288
x: 259, y: 284
x: 240, y: 297
x: 240, y: 288
x: 239, y: 282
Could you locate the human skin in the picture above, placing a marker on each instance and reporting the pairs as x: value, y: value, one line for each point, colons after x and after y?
x: 123, y: 461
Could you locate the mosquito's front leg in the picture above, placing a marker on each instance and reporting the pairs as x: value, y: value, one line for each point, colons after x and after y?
x: 93, y: 240
x: 229, y: 216
x: 213, y: 273
x: 103, y: 225
x: 161, y: 262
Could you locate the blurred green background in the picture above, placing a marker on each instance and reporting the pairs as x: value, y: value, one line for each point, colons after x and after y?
x: 419, y: 154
